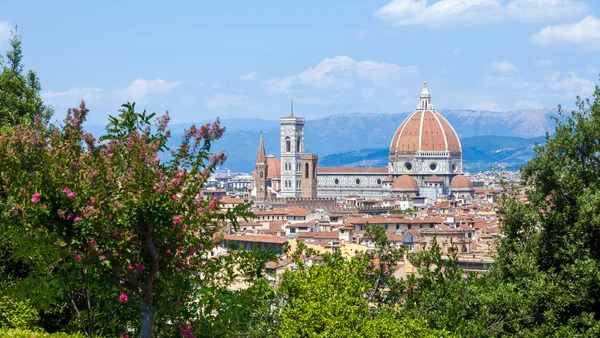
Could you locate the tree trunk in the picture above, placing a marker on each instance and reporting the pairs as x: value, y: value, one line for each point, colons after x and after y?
x: 147, y: 312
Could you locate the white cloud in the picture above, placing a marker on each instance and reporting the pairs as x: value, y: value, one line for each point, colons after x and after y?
x: 339, y: 72
x: 544, y: 10
x: 84, y: 93
x: 451, y: 13
x: 502, y: 67
x: 571, y: 84
x: 4, y: 32
x: 362, y: 35
x: 248, y: 77
x: 542, y: 63
x: 486, y: 105
x: 584, y: 34
x: 142, y: 88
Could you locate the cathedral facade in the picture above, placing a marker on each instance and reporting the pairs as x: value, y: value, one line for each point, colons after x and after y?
x: 425, y: 159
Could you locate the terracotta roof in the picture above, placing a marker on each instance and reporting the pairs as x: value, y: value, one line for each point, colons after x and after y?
x: 434, y: 178
x: 405, y: 182
x: 425, y: 131
x: 255, y: 238
x: 461, y: 182
x: 320, y: 235
x: 273, y: 168
x: 353, y: 170
x: 389, y: 178
x: 297, y: 211
x: 231, y: 200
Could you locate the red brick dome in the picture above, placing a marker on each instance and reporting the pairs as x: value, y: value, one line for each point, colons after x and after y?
x: 425, y: 130
x: 461, y: 182
x: 405, y: 182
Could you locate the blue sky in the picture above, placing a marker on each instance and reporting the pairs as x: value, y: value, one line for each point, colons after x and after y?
x: 203, y: 59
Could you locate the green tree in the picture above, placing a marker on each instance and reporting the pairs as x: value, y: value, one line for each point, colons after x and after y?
x: 20, y: 98
x: 116, y: 217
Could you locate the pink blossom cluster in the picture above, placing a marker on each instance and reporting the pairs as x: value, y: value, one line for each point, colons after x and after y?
x: 70, y: 194
x: 123, y: 298
x: 35, y: 198
x: 186, y: 331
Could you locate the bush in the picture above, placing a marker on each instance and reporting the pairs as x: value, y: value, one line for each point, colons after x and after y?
x: 17, y: 333
x: 17, y: 314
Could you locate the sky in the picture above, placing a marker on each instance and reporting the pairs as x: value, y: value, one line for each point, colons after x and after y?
x: 205, y: 59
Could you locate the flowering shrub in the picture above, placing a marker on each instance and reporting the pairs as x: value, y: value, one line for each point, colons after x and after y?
x: 114, y: 208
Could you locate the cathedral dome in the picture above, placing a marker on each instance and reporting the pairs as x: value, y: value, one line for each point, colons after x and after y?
x: 425, y: 130
x: 405, y: 182
x: 461, y: 182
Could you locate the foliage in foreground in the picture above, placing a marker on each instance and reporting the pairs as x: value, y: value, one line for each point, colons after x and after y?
x: 18, y: 333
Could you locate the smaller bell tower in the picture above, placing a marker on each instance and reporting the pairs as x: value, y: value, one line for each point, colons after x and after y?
x: 309, y: 175
x: 260, y: 172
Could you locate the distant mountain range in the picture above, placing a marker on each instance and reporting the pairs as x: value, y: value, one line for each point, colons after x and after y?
x: 479, y: 154
x: 361, y: 139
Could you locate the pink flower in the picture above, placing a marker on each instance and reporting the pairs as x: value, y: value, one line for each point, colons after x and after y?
x: 123, y: 298
x: 191, y: 251
x: 176, y: 220
x: 157, y: 159
x: 185, y: 226
x: 174, y: 196
x: 181, y: 174
x: 175, y: 181
x: 66, y: 190
x: 110, y: 155
x: 103, y: 257
x: 77, y: 219
x: 71, y: 195
x: 75, y: 120
x: 69, y: 217
x: 35, y: 198
x: 45, y: 206
x: 176, y: 303
x: 169, y: 252
x: 123, y: 335
x: 141, y: 267
x: 186, y: 331
x: 213, y: 203
x: 130, y: 267
x: 92, y: 241
x: 78, y: 257
x: 201, y: 195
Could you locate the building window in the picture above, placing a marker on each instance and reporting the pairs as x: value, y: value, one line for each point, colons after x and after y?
x: 358, y: 181
x: 433, y: 166
x: 378, y: 181
x: 336, y: 181
x: 306, y: 170
x: 408, y: 166
x: 287, y: 144
x: 298, y: 150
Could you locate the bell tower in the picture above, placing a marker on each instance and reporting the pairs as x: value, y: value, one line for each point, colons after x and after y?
x: 292, y: 147
x: 260, y: 171
x: 309, y: 175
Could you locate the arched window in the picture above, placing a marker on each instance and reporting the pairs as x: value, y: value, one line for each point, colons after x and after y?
x: 306, y: 170
x: 261, y: 174
x: 287, y: 144
x: 314, y: 172
x: 298, y: 150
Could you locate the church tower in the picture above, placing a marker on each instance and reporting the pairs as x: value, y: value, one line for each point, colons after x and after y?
x: 292, y: 147
x: 309, y: 175
x: 260, y: 172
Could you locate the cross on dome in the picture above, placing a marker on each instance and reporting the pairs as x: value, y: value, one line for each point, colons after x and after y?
x: 425, y: 103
